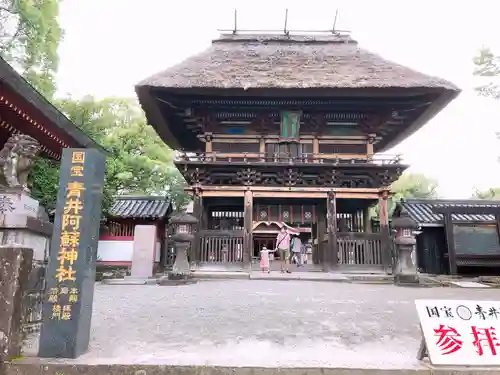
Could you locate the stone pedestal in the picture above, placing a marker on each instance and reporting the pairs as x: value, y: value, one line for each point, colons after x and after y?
x: 15, y: 267
x: 406, y: 266
x: 23, y: 223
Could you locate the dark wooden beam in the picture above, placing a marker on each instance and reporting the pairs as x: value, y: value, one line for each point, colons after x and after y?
x: 247, y: 231
x: 450, y: 243
x: 331, y: 217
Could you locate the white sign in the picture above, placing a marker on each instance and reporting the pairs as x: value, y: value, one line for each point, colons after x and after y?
x: 461, y: 332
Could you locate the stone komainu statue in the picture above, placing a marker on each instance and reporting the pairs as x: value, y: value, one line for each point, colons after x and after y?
x: 16, y: 160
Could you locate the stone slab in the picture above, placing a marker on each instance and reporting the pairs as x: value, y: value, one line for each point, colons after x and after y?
x: 143, y: 256
x: 306, y: 276
x: 468, y: 284
x: 58, y: 369
x: 219, y: 275
x: 129, y: 281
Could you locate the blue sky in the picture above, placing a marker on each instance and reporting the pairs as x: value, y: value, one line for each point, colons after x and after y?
x: 110, y: 45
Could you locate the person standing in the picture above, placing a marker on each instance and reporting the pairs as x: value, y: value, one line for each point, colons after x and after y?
x: 283, y: 247
x: 297, y: 249
x: 264, y: 260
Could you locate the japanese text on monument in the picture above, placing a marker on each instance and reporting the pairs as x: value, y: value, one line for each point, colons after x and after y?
x: 461, y: 332
x: 65, y: 294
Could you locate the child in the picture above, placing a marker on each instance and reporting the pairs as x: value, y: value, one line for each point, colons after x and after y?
x: 264, y: 260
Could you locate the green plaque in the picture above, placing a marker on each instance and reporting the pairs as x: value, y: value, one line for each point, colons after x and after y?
x: 290, y: 124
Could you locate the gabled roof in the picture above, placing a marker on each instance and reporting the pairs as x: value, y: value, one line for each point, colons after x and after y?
x: 287, y: 66
x: 140, y: 207
x: 70, y: 132
x: 421, y: 210
x: 290, y: 61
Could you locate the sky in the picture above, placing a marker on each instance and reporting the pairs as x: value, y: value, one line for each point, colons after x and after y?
x: 110, y: 45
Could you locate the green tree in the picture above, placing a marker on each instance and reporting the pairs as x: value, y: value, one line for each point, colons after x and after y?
x: 488, y: 194
x: 29, y: 37
x: 410, y: 186
x: 138, y: 161
x: 415, y: 185
x: 487, y: 65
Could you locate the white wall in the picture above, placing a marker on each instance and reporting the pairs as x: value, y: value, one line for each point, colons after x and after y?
x: 120, y: 251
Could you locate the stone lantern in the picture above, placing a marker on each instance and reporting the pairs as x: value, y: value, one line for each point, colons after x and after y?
x: 405, y: 229
x: 182, y: 225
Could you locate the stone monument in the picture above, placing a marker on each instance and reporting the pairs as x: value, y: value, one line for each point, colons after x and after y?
x: 67, y: 306
x: 143, y: 257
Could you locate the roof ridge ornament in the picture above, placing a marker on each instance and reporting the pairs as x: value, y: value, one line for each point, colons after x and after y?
x: 285, y: 31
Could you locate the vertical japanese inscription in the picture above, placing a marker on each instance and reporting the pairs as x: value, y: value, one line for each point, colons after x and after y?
x: 71, y: 271
x: 65, y: 294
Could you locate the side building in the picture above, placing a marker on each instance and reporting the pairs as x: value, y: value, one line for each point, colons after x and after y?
x: 287, y: 130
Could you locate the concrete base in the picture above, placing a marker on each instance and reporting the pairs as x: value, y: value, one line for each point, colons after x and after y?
x: 36, y: 366
x: 128, y: 280
x: 164, y: 281
x: 411, y: 280
x: 316, y: 276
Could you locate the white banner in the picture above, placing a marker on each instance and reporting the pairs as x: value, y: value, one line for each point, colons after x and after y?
x: 461, y: 332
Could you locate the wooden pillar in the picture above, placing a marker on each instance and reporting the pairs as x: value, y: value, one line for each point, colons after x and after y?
x: 331, y: 218
x: 195, y: 251
x: 369, y: 144
x: 247, y: 229
x: 367, y: 222
x: 315, y: 149
x: 262, y: 149
x: 318, y: 257
x: 386, y: 241
x: 450, y: 243
x: 208, y: 143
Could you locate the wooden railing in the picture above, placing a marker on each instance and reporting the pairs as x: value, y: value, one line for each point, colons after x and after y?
x: 220, y: 247
x: 262, y: 158
x: 360, y: 249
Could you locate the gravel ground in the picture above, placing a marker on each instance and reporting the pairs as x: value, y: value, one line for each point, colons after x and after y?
x: 261, y: 323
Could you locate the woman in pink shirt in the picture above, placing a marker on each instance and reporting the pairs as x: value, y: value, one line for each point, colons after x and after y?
x: 283, y: 246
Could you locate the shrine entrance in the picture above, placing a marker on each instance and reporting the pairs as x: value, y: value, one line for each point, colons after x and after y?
x: 232, y: 233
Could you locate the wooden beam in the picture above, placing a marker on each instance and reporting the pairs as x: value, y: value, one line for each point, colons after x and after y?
x: 331, y: 217
x: 247, y: 229
x: 240, y: 193
x: 290, y: 194
x: 206, y: 188
x: 450, y: 243
x: 195, y: 250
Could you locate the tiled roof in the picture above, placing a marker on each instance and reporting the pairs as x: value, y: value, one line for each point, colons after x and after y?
x: 143, y: 207
x: 420, y: 210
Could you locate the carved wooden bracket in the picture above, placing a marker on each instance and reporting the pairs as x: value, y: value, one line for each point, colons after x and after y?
x: 263, y: 123
x: 372, y: 123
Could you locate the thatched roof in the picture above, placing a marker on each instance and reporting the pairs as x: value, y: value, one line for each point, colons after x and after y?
x: 285, y: 62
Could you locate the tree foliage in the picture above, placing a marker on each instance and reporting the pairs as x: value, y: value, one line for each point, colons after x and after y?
x: 487, y: 65
x: 139, y: 163
x: 488, y: 194
x: 410, y: 186
x: 416, y: 186
x: 29, y: 37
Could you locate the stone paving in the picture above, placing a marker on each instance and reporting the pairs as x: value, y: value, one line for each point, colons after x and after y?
x: 261, y: 323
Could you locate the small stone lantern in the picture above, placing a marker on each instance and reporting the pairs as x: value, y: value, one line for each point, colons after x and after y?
x: 182, y: 234
x: 405, y: 231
